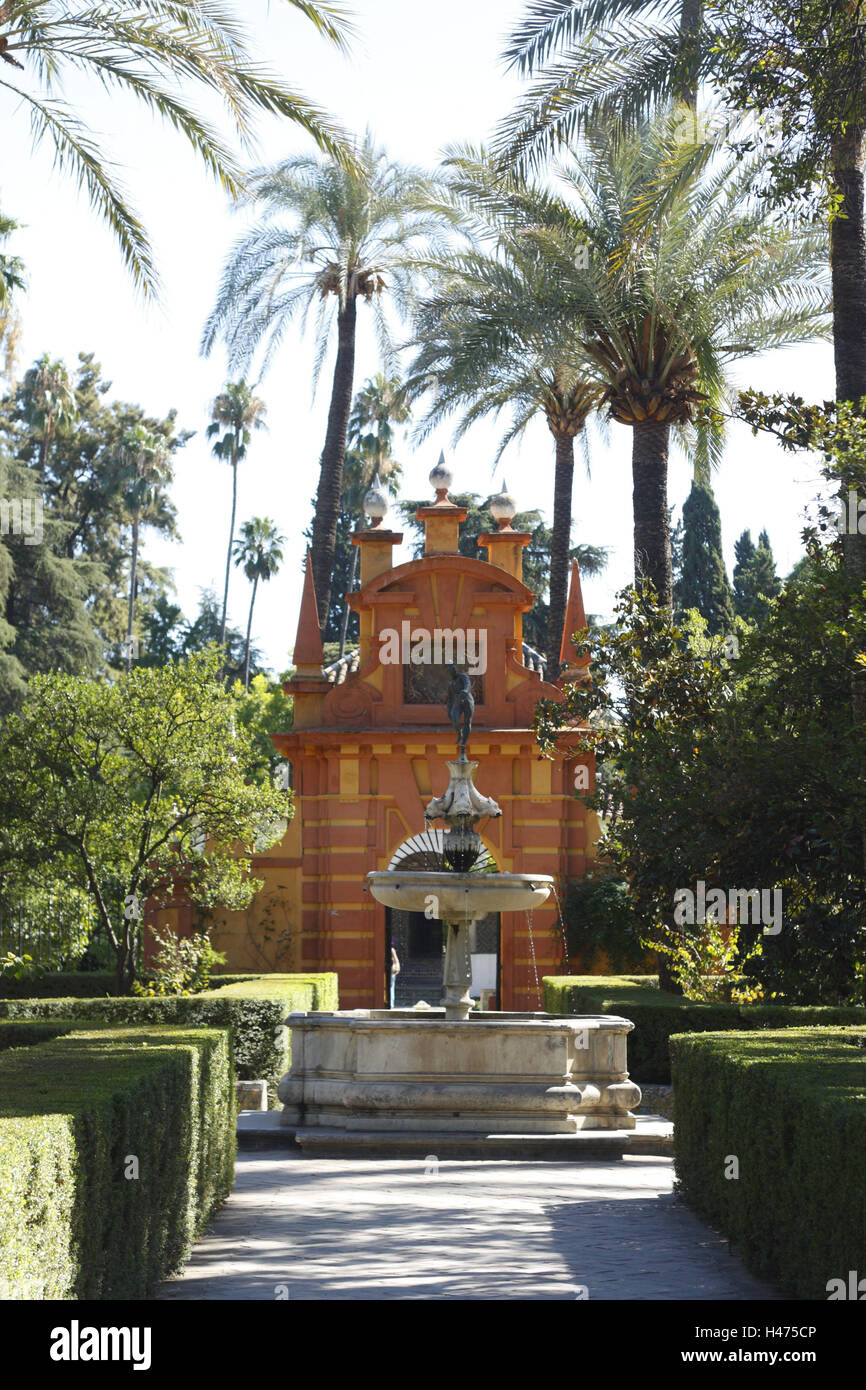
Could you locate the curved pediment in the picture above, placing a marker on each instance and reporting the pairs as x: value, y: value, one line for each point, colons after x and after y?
x: 483, y: 577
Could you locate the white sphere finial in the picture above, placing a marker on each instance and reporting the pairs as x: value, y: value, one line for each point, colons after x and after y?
x: 503, y: 507
x: 441, y: 478
x: 376, y: 501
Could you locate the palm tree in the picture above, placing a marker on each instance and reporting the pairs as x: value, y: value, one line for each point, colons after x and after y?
x: 647, y: 311
x: 144, y: 468
x: 259, y: 549
x: 496, y: 334
x: 379, y: 405
x: 671, y: 300
x: 605, y: 60
x: 599, y: 62
x: 11, y: 282
x: 235, y: 413
x: 49, y: 401
x: 327, y: 235
x: 149, y: 48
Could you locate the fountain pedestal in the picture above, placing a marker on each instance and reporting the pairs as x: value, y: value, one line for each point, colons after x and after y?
x: 457, y: 973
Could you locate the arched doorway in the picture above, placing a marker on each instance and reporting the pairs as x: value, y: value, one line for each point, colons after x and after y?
x: 419, y: 941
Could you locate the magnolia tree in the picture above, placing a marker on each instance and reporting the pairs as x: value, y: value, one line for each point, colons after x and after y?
x: 132, y: 788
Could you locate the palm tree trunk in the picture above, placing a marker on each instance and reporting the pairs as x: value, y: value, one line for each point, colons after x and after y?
x: 43, y: 450
x: 848, y: 264
x: 231, y: 539
x: 324, y: 537
x: 691, y: 20
x: 133, y: 569
x: 344, y: 624
x: 560, y: 544
x: 848, y: 267
x: 249, y: 631
x: 652, y: 527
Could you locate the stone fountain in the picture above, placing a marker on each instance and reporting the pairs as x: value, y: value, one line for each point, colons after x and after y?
x: 453, y: 1078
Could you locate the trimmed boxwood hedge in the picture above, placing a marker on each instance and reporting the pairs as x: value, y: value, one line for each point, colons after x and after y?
x: 60, y: 984
x: 657, y: 1015
x: 74, y: 1222
x: 791, y: 1107
x: 254, y: 1009
x: 21, y: 1033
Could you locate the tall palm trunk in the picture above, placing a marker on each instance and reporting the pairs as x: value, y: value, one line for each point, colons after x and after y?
x: 43, y: 448
x: 231, y: 540
x: 652, y: 527
x: 560, y: 544
x: 848, y: 265
x: 43, y: 464
x: 324, y: 537
x: 249, y: 632
x: 133, y: 574
x: 848, y: 268
x: 691, y: 20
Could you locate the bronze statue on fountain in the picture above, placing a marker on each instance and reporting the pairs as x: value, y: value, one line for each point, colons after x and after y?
x: 460, y: 707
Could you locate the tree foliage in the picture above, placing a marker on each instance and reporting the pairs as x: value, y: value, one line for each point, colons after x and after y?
x: 65, y: 597
x: 756, y: 583
x: 131, y: 789
x: 703, y: 582
x: 739, y: 772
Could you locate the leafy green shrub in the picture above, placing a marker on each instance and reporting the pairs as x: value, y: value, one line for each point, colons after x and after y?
x: 14, y: 967
x: 76, y: 1220
x: 60, y: 984
x: 254, y: 1009
x: 182, y: 965
x: 657, y: 1015
x: 791, y: 1107
x: 709, y: 967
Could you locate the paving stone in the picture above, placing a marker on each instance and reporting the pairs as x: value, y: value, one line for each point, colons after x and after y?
x: 336, y: 1229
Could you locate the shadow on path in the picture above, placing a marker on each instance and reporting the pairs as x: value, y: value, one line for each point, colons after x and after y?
x: 336, y: 1229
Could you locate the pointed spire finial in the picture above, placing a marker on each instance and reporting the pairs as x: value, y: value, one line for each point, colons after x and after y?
x: 575, y: 619
x: 308, y: 643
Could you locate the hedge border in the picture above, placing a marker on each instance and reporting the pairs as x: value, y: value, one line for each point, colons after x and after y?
x: 658, y: 1016
x: 790, y: 1106
x: 254, y: 1010
x: 76, y: 1222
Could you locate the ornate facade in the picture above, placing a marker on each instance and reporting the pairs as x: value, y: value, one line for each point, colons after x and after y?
x: 368, y: 750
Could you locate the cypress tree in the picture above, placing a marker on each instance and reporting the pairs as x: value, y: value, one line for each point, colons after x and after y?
x: 755, y: 578
x: 704, y: 581
x: 767, y: 583
x: 744, y: 555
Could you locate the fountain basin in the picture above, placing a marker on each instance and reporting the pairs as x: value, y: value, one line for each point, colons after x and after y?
x: 461, y: 897
x: 395, y: 1071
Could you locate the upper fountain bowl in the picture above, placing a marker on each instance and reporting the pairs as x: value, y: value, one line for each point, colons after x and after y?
x: 460, y: 897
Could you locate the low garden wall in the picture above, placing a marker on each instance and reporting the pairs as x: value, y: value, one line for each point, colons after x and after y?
x: 657, y: 1016
x: 253, y: 1007
x: 115, y: 1148
x: 790, y: 1107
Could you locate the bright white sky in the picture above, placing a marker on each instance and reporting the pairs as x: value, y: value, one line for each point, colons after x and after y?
x: 421, y: 77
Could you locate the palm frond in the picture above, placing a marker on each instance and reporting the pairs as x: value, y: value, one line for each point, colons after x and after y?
x: 77, y: 152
